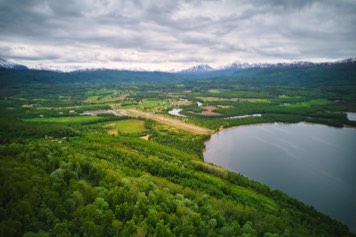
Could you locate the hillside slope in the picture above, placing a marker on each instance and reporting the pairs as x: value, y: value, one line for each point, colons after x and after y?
x: 63, y: 174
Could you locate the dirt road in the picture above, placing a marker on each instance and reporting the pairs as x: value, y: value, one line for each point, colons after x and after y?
x: 169, y: 121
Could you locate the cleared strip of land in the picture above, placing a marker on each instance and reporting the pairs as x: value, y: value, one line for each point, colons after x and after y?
x: 169, y: 121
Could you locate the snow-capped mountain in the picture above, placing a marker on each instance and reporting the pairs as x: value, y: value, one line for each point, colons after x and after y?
x: 202, y: 68
x: 77, y: 68
x: 66, y: 68
x: 238, y: 65
x: 4, y: 64
x: 199, y: 68
x: 244, y: 65
x: 349, y: 60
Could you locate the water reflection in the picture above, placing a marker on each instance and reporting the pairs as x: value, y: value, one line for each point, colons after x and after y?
x: 313, y: 163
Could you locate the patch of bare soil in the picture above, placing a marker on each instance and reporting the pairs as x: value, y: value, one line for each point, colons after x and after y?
x: 145, y: 137
x: 243, y: 99
x: 183, y: 102
x: 208, y: 110
x: 224, y: 106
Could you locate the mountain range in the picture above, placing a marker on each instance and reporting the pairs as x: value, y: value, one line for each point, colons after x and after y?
x: 4, y: 64
x: 201, y: 68
x: 240, y: 66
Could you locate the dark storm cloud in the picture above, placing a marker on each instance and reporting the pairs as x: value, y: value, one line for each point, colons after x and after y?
x: 160, y: 34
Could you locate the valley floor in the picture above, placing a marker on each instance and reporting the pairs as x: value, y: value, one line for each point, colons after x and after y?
x: 65, y: 174
x: 171, y: 122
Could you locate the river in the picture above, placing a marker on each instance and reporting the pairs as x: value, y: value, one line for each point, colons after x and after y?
x: 176, y: 112
x: 351, y: 116
x: 313, y: 163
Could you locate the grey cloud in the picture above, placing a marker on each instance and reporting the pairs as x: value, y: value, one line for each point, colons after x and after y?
x: 176, y: 32
x: 288, y: 4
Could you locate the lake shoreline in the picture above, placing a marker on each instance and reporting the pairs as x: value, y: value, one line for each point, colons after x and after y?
x: 222, y: 162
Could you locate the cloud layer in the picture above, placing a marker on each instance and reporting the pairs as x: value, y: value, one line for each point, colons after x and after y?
x: 155, y: 34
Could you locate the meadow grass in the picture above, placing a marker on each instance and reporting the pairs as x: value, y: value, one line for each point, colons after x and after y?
x: 130, y: 126
x: 70, y: 119
x: 308, y: 103
x: 258, y: 101
x: 151, y: 102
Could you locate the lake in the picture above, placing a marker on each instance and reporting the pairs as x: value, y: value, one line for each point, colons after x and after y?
x: 313, y: 163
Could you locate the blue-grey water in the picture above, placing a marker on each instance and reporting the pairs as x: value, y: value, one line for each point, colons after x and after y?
x: 351, y: 116
x: 313, y: 163
x: 176, y: 112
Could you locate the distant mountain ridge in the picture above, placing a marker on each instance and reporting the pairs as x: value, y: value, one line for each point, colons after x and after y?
x: 244, y: 65
x: 197, y: 69
x: 301, y: 74
x: 4, y: 64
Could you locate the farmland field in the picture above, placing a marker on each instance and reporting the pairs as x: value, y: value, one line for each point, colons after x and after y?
x: 130, y: 126
x: 144, y: 171
x: 309, y: 103
x: 69, y: 119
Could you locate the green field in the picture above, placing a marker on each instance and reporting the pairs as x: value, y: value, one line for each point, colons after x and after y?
x: 149, y: 102
x: 77, y: 175
x: 214, y: 91
x: 71, y: 119
x: 92, y: 99
x: 259, y: 101
x: 289, y: 97
x: 130, y: 126
x: 308, y: 103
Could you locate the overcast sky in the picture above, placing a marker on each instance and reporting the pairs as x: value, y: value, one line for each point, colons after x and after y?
x: 175, y: 34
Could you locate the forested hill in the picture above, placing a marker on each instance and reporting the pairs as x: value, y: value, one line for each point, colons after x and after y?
x: 313, y: 75
x: 66, y: 174
x: 302, y: 75
x: 92, y: 184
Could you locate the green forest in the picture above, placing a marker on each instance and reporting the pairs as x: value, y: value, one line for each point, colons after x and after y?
x: 113, y: 173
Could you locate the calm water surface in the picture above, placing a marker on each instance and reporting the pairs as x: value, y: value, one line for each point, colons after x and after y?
x: 176, y: 112
x: 313, y: 163
x: 351, y: 116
